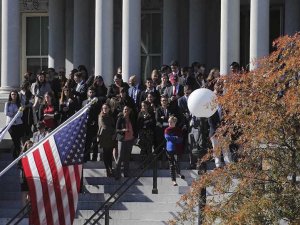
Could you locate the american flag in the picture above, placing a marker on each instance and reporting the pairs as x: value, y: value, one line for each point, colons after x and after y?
x: 53, y: 172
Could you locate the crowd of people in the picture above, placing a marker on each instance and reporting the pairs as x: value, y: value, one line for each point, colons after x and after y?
x: 126, y: 113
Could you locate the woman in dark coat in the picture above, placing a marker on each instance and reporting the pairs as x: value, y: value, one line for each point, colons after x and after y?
x: 67, y: 104
x: 106, y: 136
x: 26, y: 98
x: 146, y: 125
x: 101, y: 89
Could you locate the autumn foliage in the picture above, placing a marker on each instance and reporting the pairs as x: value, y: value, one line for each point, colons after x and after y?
x: 262, y: 116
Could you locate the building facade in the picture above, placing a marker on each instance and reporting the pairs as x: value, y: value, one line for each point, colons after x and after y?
x: 138, y: 35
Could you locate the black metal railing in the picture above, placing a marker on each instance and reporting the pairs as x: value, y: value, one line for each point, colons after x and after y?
x: 116, y: 195
x: 20, y: 215
x: 122, y: 189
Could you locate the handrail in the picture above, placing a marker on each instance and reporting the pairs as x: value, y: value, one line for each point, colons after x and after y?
x: 28, y: 207
x: 107, y: 204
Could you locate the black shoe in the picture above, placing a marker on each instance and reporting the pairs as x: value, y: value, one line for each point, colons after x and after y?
x: 109, y: 173
x: 182, y: 177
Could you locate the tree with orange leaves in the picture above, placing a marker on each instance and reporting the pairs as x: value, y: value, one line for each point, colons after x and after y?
x: 262, y: 116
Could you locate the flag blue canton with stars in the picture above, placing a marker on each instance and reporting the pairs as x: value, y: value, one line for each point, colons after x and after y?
x: 70, y: 141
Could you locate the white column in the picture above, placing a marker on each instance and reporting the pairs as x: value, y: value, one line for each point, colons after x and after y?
x: 69, y: 35
x: 56, y: 55
x: 259, y: 30
x: 81, y: 33
x: 197, y: 34
x: 170, y: 31
x: 292, y: 17
x: 230, y: 34
x: 10, y: 44
x: 104, y: 39
x: 131, y: 38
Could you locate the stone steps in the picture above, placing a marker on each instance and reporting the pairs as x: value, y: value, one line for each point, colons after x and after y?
x: 122, y: 214
x: 142, y: 181
x: 165, y: 189
x: 113, y: 221
x: 148, y: 173
x: 137, y: 206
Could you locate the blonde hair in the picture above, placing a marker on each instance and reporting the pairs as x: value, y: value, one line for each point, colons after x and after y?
x: 132, y: 77
x: 173, y: 119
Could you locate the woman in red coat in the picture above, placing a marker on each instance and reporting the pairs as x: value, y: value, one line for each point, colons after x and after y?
x: 48, y: 112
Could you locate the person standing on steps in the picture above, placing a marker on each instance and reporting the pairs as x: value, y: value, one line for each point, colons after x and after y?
x: 16, y: 131
x: 92, y: 126
x: 173, y: 135
x: 145, y: 126
x: 106, y: 137
x: 126, y: 134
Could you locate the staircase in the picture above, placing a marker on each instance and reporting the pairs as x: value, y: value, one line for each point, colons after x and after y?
x: 137, y: 206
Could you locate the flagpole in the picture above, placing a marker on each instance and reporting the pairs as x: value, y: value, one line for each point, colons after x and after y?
x: 79, y: 113
x: 10, y: 123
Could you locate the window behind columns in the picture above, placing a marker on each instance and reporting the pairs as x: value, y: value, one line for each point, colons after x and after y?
x: 151, y: 41
x: 275, y: 26
x: 34, y: 42
x: 276, y: 23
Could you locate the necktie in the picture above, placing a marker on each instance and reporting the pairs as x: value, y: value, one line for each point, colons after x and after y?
x: 134, y: 94
x: 174, y: 90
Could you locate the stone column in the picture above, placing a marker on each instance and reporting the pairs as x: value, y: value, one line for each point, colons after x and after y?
x: 10, y: 44
x: 56, y: 55
x: 170, y: 31
x: 197, y: 34
x: 104, y: 39
x: 131, y: 38
x: 81, y: 33
x: 69, y: 22
x: 292, y: 17
x: 230, y: 34
x: 259, y: 30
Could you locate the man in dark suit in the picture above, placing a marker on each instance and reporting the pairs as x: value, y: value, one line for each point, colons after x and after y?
x: 175, y: 68
x: 92, y: 126
x: 135, y: 90
x: 80, y: 90
x: 175, y: 91
x: 182, y: 101
x: 188, y: 78
x: 150, y: 88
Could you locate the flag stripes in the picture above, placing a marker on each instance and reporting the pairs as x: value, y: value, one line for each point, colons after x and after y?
x: 50, y: 182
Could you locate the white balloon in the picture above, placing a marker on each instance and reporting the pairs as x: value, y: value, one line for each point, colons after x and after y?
x: 202, y: 102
